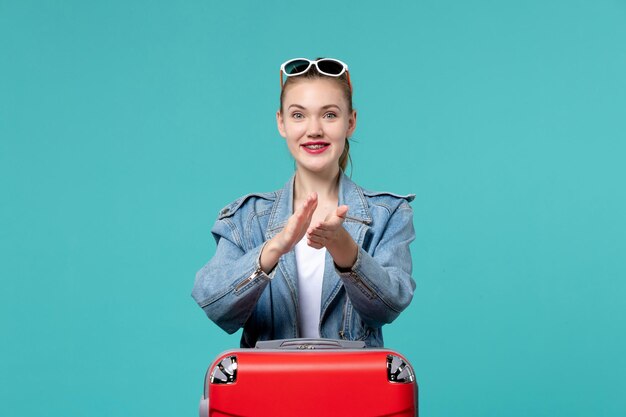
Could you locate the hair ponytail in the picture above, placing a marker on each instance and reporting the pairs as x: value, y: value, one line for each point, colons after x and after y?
x: 345, y: 157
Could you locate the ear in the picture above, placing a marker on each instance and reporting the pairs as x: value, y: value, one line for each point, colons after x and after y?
x: 351, y: 123
x: 280, y: 123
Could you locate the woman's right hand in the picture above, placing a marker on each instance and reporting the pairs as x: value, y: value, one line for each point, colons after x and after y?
x: 293, y: 232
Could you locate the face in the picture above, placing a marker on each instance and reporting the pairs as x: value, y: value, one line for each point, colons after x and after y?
x: 315, y: 123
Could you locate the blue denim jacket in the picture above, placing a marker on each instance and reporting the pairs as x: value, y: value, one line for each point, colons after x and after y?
x: 234, y: 292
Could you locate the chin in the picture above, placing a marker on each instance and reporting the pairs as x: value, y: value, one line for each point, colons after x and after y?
x: 317, y: 169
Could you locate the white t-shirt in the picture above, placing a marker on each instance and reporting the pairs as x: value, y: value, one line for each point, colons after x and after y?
x: 310, y: 265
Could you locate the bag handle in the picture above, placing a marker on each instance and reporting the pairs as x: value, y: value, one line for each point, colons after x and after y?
x: 310, y: 344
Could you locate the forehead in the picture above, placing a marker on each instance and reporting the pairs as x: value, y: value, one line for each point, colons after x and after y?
x: 315, y: 92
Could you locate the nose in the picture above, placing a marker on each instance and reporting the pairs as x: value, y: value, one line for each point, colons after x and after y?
x: 314, y: 129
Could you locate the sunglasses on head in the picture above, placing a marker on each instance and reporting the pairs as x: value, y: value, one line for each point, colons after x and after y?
x: 326, y: 66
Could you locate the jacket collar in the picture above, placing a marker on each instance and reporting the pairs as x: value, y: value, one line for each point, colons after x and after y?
x: 350, y: 194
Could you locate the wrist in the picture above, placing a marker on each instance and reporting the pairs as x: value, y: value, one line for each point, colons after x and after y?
x: 270, y: 254
x: 344, y: 251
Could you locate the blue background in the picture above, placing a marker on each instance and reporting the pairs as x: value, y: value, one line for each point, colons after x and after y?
x: 126, y: 126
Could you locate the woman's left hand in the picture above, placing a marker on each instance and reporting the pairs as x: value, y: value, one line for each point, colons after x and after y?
x: 331, y: 235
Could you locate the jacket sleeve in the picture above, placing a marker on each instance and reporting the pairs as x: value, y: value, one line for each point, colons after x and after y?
x: 380, y: 286
x: 228, y: 287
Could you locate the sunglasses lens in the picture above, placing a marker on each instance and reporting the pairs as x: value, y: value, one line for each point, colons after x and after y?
x: 297, y: 66
x: 330, y: 66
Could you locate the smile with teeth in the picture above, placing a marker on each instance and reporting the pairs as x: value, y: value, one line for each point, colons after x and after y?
x: 315, y: 147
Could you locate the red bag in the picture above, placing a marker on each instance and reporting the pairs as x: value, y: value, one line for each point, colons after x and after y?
x: 309, y: 377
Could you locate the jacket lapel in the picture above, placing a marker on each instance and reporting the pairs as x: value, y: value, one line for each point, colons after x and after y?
x: 357, y: 223
x: 281, y: 211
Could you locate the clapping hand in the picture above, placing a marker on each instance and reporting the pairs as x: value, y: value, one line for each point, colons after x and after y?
x: 296, y: 226
x: 329, y: 231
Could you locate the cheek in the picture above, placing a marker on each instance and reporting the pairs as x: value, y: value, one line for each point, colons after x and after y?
x: 295, y: 130
x: 340, y: 131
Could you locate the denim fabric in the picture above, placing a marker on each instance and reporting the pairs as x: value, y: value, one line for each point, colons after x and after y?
x: 234, y: 292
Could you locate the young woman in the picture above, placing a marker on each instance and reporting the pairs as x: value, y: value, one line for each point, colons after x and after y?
x: 321, y: 257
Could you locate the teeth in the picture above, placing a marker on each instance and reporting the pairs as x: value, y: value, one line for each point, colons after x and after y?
x: 315, y: 146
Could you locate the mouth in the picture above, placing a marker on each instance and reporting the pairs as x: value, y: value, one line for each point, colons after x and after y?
x: 315, y: 147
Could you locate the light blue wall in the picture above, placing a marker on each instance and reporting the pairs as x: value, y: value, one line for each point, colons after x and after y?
x: 126, y: 126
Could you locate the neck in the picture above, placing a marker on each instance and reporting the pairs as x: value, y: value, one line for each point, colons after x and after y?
x: 326, y: 185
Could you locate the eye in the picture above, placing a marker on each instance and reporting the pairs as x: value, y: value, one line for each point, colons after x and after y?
x: 330, y: 115
x: 297, y: 115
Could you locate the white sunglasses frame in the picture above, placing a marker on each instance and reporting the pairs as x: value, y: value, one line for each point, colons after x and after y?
x: 311, y: 63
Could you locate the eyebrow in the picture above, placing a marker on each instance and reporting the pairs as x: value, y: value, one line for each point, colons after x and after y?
x: 327, y: 106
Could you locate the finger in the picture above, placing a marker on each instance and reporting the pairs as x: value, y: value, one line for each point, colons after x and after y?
x: 315, y: 243
x: 310, y: 200
x: 318, y: 227
x: 309, y: 206
x: 342, y: 211
x: 299, y: 222
x: 301, y: 210
x: 306, y: 223
x: 318, y: 235
x: 337, y: 216
x: 305, y: 213
x: 312, y: 207
x: 304, y: 208
x: 331, y: 223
